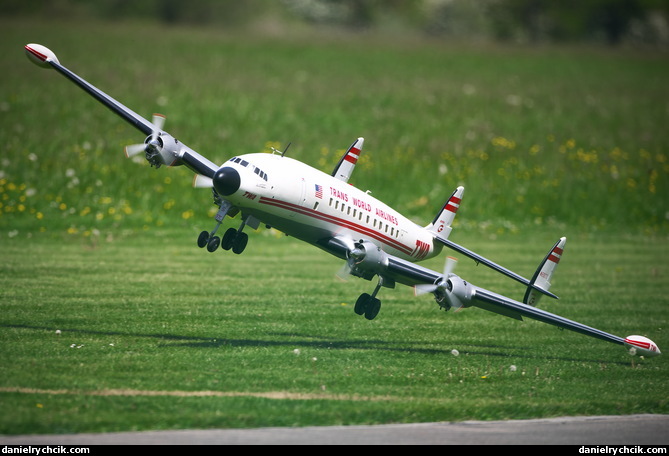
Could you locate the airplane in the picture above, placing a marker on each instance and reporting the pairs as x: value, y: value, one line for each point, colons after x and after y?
x: 324, y: 210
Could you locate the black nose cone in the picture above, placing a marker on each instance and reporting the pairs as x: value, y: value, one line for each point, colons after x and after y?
x: 226, y: 181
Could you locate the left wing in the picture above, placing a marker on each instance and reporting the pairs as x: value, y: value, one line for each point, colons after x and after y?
x: 364, y: 259
x: 466, y: 293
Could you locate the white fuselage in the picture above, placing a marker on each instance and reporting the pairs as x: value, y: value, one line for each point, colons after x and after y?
x: 310, y: 205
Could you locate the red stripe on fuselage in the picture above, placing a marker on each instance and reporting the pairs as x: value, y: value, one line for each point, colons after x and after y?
x: 339, y: 222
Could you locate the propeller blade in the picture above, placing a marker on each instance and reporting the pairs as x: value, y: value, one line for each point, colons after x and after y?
x: 200, y: 181
x: 449, y: 267
x: 158, y: 123
x: 425, y: 288
x: 131, y: 151
x: 344, y: 272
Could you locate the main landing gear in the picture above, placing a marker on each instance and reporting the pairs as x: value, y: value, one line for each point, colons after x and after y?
x: 369, y: 305
x: 234, y: 239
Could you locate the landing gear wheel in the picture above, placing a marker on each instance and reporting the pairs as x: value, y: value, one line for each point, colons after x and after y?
x: 239, y: 243
x: 213, y: 243
x: 229, y: 239
x: 362, y: 303
x: 202, y: 239
x: 373, y: 307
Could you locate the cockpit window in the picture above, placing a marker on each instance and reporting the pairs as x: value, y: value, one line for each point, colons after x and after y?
x: 246, y: 164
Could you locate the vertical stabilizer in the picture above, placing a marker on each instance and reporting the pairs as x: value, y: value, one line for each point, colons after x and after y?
x: 542, y: 276
x: 344, y: 168
x: 441, y: 225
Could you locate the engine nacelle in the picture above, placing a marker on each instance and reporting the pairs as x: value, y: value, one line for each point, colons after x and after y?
x: 461, y: 292
x: 367, y: 260
x: 453, y: 293
x: 162, y: 149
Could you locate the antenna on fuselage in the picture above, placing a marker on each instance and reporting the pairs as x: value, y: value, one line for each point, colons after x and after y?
x: 275, y: 151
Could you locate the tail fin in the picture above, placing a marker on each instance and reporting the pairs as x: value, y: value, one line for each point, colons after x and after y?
x: 347, y: 162
x: 441, y: 225
x: 542, y: 276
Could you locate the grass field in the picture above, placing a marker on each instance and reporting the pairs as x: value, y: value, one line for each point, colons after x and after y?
x: 157, y: 334
x: 113, y: 320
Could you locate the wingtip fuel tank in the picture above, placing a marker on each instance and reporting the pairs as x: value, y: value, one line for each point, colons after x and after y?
x: 40, y: 55
x: 642, y: 346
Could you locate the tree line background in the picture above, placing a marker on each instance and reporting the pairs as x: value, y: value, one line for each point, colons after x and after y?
x: 611, y: 22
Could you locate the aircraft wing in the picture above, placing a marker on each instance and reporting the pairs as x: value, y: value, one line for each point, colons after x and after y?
x: 457, y: 292
x: 497, y: 303
x: 366, y: 260
x: 160, y: 147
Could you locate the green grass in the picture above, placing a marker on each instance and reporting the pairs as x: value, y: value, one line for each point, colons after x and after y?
x: 548, y: 142
x: 269, y: 338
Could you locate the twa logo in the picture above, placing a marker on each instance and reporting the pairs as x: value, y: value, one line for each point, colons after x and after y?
x: 421, y: 250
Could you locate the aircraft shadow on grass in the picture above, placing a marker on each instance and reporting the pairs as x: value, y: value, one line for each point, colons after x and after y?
x: 321, y: 342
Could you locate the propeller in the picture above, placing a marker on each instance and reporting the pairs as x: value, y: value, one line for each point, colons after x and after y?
x: 443, y: 288
x: 449, y: 267
x: 355, y: 253
x: 152, y: 143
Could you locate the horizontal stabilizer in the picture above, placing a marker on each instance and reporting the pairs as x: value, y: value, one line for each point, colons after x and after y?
x: 541, y: 279
x: 479, y: 259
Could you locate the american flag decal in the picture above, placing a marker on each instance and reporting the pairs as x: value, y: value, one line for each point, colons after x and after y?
x: 319, y: 191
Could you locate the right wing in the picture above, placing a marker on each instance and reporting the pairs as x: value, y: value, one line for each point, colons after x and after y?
x: 165, y: 151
